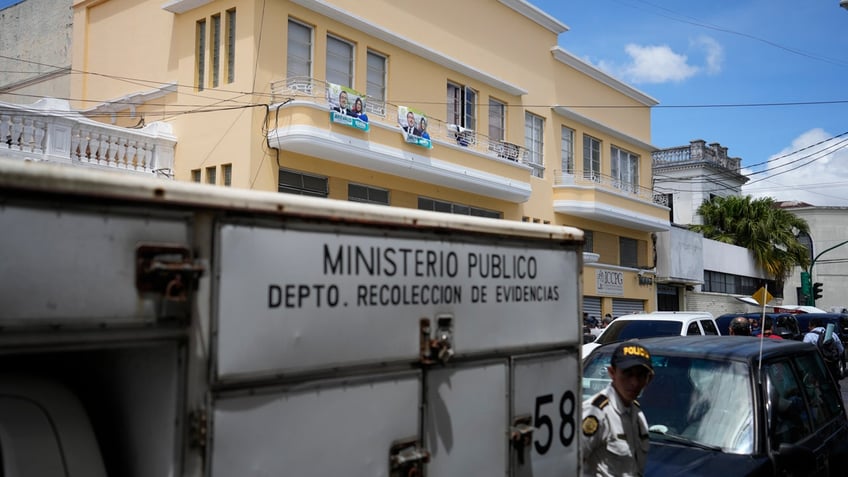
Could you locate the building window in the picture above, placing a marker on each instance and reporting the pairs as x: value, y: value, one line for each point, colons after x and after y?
x: 216, y: 49
x: 299, y: 51
x: 591, y: 158
x: 534, y: 127
x: 231, y: 45
x: 588, y: 241
x: 628, y: 252
x: 371, y: 195
x: 339, y: 62
x: 200, y: 54
x: 497, y: 120
x: 425, y: 203
x: 293, y: 182
x: 718, y: 282
x: 624, y: 169
x: 462, y: 104
x: 376, y: 84
x: 227, y: 172
x: 195, y: 175
x: 210, y: 175
x: 567, y: 150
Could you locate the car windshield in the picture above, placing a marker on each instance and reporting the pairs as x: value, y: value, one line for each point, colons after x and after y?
x: 705, y: 402
x: 622, y: 330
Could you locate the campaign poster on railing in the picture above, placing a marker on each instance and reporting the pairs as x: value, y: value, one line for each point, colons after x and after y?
x: 347, y: 107
x: 413, y: 126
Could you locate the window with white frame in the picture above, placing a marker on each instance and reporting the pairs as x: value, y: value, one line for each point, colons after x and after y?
x: 376, y: 84
x: 534, y: 128
x: 497, y: 120
x: 591, y: 158
x: 367, y: 194
x: 339, y: 61
x: 299, y: 51
x: 624, y: 168
x: 567, y: 151
x: 462, y: 106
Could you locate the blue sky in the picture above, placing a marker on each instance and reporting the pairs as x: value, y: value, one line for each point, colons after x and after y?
x: 704, y: 60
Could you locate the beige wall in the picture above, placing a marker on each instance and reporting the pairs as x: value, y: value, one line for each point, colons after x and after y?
x: 138, y: 46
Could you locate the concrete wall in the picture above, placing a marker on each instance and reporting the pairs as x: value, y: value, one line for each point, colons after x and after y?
x: 37, y: 35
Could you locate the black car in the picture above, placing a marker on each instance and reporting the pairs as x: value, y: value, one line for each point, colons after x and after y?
x: 736, y: 406
x: 785, y: 324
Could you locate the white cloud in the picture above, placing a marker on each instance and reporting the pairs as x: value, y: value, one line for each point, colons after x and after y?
x: 661, y: 64
x: 713, y: 53
x: 812, y: 169
x: 656, y: 64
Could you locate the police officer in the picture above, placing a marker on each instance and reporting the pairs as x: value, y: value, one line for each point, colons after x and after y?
x: 615, y: 432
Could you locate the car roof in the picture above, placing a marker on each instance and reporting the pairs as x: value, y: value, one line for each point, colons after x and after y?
x: 667, y: 316
x: 735, y: 348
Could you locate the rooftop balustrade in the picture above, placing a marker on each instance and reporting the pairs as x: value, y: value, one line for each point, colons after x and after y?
x: 49, y: 130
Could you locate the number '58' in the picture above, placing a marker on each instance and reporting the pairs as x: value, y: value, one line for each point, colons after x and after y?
x: 546, y: 426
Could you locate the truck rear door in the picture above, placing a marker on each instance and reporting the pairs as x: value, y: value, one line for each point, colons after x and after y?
x: 348, y: 348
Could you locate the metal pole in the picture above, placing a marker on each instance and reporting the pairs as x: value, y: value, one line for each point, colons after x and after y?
x: 810, y: 270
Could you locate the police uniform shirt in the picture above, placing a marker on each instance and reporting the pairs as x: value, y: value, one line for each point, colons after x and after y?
x: 614, y: 437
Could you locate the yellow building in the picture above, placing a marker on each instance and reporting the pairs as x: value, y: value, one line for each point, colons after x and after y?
x: 519, y: 128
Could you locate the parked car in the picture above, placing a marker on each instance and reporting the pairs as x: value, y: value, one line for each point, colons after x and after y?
x: 725, y: 405
x: 840, y: 322
x: 658, y: 323
x: 786, y: 324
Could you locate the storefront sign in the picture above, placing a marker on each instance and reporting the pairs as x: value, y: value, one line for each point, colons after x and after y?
x: 609, y: 282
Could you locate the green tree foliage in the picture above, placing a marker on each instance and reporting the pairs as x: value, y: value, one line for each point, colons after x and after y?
x: 760, y: 226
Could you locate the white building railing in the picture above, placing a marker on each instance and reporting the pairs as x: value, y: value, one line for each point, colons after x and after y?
x: 49, y: 130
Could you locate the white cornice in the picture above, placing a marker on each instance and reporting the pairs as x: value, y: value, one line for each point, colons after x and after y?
x: 611, y: 215
x: 130, y: 101
x: 565, y: 57
x: 567, y: 113
x: 537, y: 15
x: 331, y: 11
x: 182, y: 6
x: 344, y: 149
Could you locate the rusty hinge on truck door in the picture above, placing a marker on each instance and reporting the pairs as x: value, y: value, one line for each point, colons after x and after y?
x: 521, y: 435
x: 169, y: 274
x: 407, y: 458
x: 439, y: 347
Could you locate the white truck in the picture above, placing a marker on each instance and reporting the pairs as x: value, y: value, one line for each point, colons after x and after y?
x: 157, y: 328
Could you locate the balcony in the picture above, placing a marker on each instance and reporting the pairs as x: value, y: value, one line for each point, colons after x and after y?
x: 49, y: 130
x: 609, y: 200
x: 460, y: 158
x: 697, y: 153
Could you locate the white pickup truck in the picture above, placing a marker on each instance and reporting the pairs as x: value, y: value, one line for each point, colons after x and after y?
x: 157, y: 328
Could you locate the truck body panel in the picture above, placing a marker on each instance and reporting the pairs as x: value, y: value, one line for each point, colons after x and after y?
x: 211, y: 332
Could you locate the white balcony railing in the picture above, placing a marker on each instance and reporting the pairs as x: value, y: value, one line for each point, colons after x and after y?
x: 49, y: 130
x: 609, y: 183
x: 310, y: 89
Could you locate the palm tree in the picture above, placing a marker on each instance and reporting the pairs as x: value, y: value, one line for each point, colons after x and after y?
x: 759, y: 225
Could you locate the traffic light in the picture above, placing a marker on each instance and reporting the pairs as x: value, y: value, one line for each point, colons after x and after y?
x: 805, y: 283
x: 806, y: 286
x: 817, y: 290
